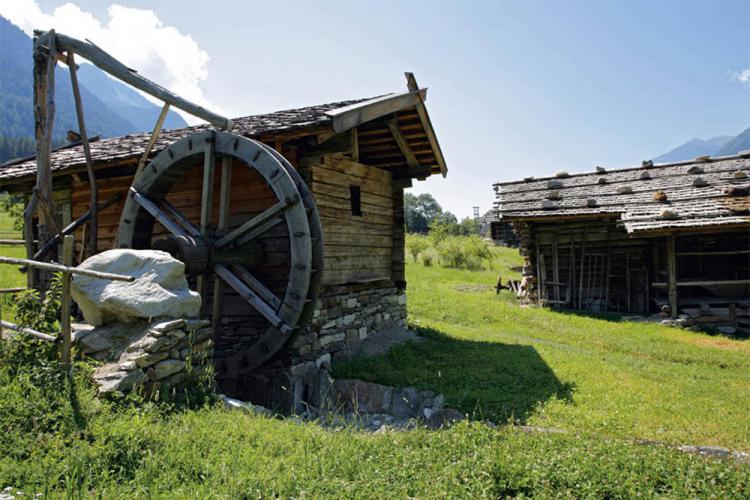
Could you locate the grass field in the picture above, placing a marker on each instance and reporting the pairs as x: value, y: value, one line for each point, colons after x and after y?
x: 552, y: 369
x: 608, y: 383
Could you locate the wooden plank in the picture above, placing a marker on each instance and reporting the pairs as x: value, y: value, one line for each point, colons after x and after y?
x: 115, y: 68
x: 348, y: 117
x: 672, y: 275
x: 65, y: 303
x: 424, y: 117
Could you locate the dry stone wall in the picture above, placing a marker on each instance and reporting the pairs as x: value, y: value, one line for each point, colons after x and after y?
x: 151, y: 356
x: 345, y: 316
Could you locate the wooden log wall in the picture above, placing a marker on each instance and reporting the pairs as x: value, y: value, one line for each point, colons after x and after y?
x: 587, y: 265
x: 357, y: 247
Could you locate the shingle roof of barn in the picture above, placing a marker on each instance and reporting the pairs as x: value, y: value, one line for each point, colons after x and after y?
x: 131, y: 146
x: 630, y: 194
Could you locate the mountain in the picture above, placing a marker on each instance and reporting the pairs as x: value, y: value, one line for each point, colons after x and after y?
x: 125, y: 101
x: 111, y: 108
x: 694, y: 148
x: 738, y: 143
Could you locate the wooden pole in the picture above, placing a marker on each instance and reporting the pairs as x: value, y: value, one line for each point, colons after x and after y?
x: 672, y: 275
x: 94, y: 200
x: 152, y: 140
x: 48, y: 266
x: 44, y: 116
x: 27, y: 331
x: 66, y: 300
x: 115, y: 68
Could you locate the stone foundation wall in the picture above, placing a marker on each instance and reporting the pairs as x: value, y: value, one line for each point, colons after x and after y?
x: 345, y: 316
x: 148, y: 356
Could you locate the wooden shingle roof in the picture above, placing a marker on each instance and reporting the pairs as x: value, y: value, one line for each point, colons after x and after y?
x: 700, y: 193
x: 332, y: 118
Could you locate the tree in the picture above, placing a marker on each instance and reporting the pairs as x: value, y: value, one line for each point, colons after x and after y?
x: 420, y: 211
x: 469, y: 226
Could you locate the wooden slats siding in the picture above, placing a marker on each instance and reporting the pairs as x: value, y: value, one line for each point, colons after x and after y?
x: 357, y: 248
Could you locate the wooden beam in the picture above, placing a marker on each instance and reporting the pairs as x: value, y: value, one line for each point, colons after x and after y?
x: 65, y: 303
x: 349, y: 117
x: 156, y: 212
x: 94, y: 201
x: 152, y: 140
x: 225, y: 190
x: 44, y: 117
x: 49, y: 266
x: 672, y: 275
x: 424, y: 117
x: 411, y: 160
x: 109, y: 64
x: 27, y: 331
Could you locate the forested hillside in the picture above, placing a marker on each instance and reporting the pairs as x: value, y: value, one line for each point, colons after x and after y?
x: 111, y: 108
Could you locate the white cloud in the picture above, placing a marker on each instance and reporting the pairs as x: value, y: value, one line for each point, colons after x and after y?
x: 742, y: 76
x: 136, y: 37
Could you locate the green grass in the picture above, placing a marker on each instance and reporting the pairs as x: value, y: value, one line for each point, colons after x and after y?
x: 485, y: 353
x: 594, y: 376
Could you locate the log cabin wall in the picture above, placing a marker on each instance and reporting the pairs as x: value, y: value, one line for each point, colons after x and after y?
x: 593, y: 265
x: 587, y: 265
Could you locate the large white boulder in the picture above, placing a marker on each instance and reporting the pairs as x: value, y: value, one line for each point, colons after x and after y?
x: 160, y: 288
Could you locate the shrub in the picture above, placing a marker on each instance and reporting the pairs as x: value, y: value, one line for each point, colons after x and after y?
x: 463, y: 252
x: 428, y: 257
x: 416, y: 244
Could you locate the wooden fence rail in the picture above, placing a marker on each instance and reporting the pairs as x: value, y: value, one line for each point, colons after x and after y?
x: 67, y: 274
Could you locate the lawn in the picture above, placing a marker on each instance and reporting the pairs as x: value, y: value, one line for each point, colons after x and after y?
x: 488, y: 356
x: 593, y: 376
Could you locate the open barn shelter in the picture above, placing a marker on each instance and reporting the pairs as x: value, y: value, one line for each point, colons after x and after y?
x: 671, y: 238
x: 352, y: 159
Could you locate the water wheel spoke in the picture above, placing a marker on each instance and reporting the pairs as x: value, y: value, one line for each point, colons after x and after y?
x: 180, y: 218
x: 157, y: 213
x: 252, y: 298
x: 255, y: 222
x: 224, y: 200
x: 207, y: 203
x: 256, y: 286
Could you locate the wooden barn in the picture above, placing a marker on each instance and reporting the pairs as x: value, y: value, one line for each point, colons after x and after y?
x: 670, y: 237
x: 356, y: 158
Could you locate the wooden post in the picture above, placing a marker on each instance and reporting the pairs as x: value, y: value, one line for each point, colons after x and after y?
x: 672, y: 275
x: 66, y: 301
x: 556, y: 269
x: 94, y: 200
x: 44, y: 116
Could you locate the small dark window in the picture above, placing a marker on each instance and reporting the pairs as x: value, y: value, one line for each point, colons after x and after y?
x: 355, y: 195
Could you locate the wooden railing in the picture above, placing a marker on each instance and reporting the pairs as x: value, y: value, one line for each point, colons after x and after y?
x: 67, y: 270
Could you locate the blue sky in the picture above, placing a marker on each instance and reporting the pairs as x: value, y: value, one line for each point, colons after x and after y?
x: 515, y: 88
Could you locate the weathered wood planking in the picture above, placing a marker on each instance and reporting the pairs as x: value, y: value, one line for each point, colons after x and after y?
x: 357, y: 247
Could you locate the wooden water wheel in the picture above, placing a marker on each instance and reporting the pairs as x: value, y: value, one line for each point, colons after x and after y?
x: 245, y: 224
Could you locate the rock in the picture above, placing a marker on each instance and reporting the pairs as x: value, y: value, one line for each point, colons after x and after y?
x: 361, y: 396
x: 108, y: 341
x: 406, y: 403
x: 444, y: 418
x: 645, y: 175
x: 601, y: 170
x: 624, y: 189
x: 167, y: 326
x: 149, y: 343
x: 168, y: 367
x: 601, y: 180
x: 196, y: 324
x: 700, y: 182
x: 142, y: 359
x: 324, y: 361
x: 111, y: 379
x: 554, y: 184
x: 160, y: 288
x: 727, y: 330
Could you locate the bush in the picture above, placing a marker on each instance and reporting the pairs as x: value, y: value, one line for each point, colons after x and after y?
x: 416, y: 244
x: 463, y: 252
x: 428, y: 257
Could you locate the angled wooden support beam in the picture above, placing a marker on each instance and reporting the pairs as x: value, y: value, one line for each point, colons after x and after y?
x: 115, y: 68
x: 152, y: 140
x: 411, y: 159
x: 94, y: 200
